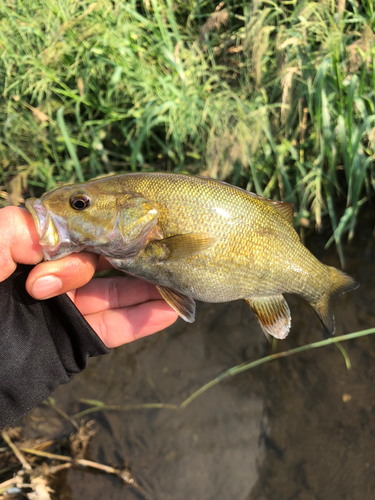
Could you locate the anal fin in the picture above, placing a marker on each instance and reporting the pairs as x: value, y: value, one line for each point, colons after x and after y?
x: 273, y: 314
x: 183, y: 305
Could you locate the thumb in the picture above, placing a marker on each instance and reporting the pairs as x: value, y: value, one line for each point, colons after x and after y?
x: 19, y: 240
x: 52, y: 278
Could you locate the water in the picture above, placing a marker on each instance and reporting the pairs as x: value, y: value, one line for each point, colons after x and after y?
x: 301, y: 428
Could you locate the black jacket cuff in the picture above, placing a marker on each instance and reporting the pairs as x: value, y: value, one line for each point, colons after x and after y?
x: 43, y: 344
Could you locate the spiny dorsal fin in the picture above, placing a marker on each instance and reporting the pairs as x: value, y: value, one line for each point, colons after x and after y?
x: 184, y: 306
x: 284, y: 208
x: 273, y: 314
x: 184, y: 245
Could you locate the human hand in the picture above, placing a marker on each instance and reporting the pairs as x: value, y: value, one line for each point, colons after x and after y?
x: 119, y: 309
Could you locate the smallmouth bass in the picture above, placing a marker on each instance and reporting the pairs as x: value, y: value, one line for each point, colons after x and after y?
x: 194, y: 238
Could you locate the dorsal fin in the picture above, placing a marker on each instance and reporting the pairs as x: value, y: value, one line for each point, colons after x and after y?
x: 284, y: 208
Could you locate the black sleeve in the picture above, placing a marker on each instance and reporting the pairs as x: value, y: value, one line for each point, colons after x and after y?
x: 42, y: 344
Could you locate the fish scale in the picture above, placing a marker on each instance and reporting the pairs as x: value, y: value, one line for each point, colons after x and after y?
x: 194, y: 238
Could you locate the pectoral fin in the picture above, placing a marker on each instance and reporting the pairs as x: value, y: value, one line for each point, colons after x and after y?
x: 184, y: 306
x: 184, y: 245
x: 273, y: 314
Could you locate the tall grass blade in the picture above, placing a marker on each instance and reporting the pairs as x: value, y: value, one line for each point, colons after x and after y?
x: 247, y: 366
x: 68, y: 143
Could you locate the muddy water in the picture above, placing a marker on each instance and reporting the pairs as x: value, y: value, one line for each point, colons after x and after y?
x: 301, y: 428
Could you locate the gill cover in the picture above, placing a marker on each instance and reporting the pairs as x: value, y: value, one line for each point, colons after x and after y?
x: 136, y: 217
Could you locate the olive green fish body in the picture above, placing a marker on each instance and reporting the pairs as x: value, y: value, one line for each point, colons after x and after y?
x: 256, y: 252
x: 195, y: 238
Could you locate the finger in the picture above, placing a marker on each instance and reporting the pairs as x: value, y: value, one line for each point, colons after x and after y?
x: 52, y: 278
x: 19, y: 241
x: 103, y: 265
x: 120, y: 326
x: 102, y: 294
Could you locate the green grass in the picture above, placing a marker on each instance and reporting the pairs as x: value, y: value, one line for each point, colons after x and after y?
x: 277, y: 97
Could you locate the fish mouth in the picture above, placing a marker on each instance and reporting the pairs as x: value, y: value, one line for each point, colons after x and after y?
x: 52, y: 230
x: 39, y: 214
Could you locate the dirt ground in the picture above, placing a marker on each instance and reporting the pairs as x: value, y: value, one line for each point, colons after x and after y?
x: 301, y: 428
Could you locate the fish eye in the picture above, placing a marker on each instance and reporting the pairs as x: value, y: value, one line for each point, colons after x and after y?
x: 79, y: 201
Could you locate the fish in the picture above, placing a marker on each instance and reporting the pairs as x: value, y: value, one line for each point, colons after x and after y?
x: 194, y: 238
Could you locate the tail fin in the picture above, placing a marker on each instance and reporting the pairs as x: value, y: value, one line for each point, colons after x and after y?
x: 339, y: 283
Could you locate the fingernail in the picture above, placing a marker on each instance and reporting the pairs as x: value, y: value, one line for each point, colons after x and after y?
x: 45, y: 287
